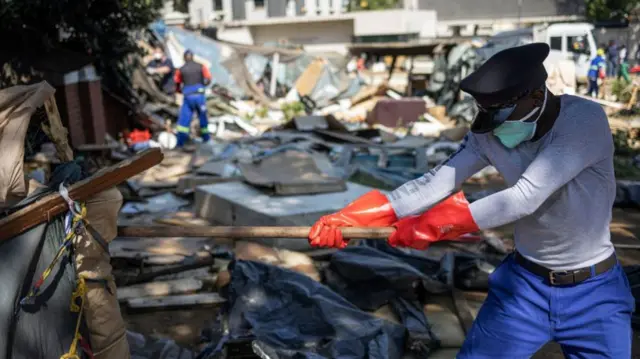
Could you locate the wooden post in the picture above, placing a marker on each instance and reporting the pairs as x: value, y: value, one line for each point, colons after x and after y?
x: 274, y: 74
x: 392, y: 67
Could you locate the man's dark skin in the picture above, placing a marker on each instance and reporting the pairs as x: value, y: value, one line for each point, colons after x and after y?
x: 549, y: 116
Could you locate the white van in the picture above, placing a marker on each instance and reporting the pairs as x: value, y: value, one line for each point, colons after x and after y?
x: 568, y: 41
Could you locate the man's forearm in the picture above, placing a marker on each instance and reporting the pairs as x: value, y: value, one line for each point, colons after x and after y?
x: 417, y: 196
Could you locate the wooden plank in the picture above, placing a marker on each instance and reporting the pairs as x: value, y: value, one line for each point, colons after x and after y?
x: 176, y: 301
x: 189, y: 263
x: 155, y: 289
x: 52, y: 205
x: 247, y: 232
x: 463, y: 310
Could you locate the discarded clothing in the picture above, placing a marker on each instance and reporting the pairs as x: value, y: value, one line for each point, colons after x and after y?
x: 378, y: 271
x: 268, y: 303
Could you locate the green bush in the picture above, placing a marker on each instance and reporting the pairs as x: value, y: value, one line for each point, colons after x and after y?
x: 621, y: 90
x: 292, y: 109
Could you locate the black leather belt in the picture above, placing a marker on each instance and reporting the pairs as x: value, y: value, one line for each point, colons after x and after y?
x: 563, y: 277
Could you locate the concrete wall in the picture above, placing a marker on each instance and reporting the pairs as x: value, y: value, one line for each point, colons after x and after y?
x: 314, y: 36
x: 200, y: 12
x: 238, y: 35
x: 497, y: 9
x: 394, y: 22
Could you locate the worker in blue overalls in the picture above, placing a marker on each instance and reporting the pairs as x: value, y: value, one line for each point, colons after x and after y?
x: 597, y: 71
x: 191, y: 79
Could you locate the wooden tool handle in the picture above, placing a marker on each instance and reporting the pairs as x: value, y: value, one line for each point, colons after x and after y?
x: 247, y: 232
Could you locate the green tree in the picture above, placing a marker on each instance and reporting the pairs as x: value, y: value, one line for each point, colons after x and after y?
x: 355, y: 5
x: 102, y: 29
x: 610, y: 10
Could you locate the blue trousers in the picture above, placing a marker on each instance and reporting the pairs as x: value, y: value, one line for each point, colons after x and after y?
x: 593, y: 87
x: 192, y: 103
x: 522, y: 312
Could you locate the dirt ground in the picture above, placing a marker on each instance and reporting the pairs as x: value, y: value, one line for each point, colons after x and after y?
x: 184, y: 326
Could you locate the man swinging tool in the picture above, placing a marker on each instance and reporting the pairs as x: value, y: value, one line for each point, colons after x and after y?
x: 191, y: 80
x: 563, y: 282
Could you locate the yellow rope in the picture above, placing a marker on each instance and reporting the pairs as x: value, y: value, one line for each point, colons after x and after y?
x: 79, y: 293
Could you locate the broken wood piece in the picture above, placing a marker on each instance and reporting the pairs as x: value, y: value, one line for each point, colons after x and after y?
x: 176, y: 301
x: 444, y: 321
x: 56, y: 131
x: 96, y: 147
x: 52, y: 205
x: 626, y: 246
x: 463, y: 310
x: 154, y: 289
x: 189, y: 263
x: 247, y: 232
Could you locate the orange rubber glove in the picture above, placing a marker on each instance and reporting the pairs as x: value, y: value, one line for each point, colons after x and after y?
x: 447, y: 220
x: 371, y: 210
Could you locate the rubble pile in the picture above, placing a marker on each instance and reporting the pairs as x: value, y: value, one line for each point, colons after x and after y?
x: 295, y: 137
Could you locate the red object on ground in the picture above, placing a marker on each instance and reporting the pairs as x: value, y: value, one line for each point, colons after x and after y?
x: 137, y: 136
x: 635, y: 69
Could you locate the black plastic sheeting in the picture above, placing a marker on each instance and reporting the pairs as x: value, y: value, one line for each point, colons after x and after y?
x: 285, y: 314
x: 45, y: 328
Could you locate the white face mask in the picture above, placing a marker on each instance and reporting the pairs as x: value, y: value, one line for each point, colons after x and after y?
x: 157, y: 56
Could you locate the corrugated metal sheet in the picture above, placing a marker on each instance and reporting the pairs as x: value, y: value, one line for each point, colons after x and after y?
x: 276, y: 8
x: 238, y: 10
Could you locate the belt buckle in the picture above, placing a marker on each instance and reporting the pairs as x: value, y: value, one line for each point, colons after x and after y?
x: 553, y: 275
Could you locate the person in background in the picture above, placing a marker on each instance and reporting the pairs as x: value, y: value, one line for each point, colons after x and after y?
x: 191, y: 79
x: 161, y: 65
x: 612, y: 59
x: 623, y: 71
x: 597, y: 71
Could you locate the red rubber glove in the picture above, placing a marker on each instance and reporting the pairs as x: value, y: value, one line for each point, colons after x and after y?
x: 447, y: 220
x: 371, y: 210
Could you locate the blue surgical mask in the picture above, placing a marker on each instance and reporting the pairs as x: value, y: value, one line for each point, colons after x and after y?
x: 513, y: 133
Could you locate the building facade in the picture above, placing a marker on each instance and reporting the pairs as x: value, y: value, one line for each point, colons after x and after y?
x: 316, y: 25
x: 327, y: 25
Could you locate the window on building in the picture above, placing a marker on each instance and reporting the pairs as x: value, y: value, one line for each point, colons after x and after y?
x: 217, y: 5
x: 556, y: 43
x: 578, y: 44
x: 258, y: 4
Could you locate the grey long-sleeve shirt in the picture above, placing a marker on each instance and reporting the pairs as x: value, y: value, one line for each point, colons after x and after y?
x: 561, y: 187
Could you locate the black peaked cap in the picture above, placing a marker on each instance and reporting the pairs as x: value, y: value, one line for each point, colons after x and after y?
x: 507, y: 75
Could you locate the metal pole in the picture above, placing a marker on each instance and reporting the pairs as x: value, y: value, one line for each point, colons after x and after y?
x: 519, y: 13
x: 274, y: 74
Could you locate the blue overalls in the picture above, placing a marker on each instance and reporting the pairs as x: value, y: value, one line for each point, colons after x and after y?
x: 192, y: 76
x: 597, y: 64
